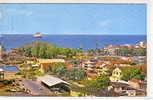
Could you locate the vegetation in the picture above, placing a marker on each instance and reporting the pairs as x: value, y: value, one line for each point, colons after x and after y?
x: 96, y: 87
x: 46, y: 50
x: 5, y: 82
x: 70, y: 74
x: 132, y: 73
x: 3, y: 48
x: 102, y: 81
x: 129, y: 52
x: 91, y: 50
x: 139, y: 52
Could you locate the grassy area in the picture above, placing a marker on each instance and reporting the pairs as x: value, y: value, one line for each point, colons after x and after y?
x: 77, y: 94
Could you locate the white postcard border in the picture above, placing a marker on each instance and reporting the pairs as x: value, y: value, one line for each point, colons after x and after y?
x: 149, y: 23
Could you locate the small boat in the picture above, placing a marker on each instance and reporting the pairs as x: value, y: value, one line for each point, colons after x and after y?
x: 38, y: 35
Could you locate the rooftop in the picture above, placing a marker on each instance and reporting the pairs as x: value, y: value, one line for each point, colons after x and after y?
x: 51, y: 80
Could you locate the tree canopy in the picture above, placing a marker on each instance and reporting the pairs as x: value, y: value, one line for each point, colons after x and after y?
x: 132, y: 73
x: 129, y: 52
x: 102, y: 81
x: 46, y: 50
x: 61, y: 70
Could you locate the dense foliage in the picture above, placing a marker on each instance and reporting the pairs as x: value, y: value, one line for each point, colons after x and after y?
x: 132, y: 73
x: 102, y: 81
x: 62, y: 71
x: 46, y: 50
x: 129, y: 52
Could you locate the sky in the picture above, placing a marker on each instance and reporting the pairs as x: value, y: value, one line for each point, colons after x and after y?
x: 88, y: 19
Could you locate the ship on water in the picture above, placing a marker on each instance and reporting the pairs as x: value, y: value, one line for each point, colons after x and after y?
x: 38, y: 35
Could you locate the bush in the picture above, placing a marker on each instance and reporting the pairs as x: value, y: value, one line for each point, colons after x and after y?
x: 130, y: 73
x: 7, y: 82
x: 101, y: 81
x: 61, y: 71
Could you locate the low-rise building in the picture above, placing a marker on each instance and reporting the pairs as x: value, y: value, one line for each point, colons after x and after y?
x: 125, y: 89
x: 55, y: 84
x: 140, y: 60
x: 134, y: 83
x: 88, y: 64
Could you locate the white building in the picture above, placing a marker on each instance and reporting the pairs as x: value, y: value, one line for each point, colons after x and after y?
x: 116, y: 75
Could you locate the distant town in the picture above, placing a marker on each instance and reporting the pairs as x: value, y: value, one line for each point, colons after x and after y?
x: 43, y: 69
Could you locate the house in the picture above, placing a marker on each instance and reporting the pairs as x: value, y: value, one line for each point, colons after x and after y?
x: 119, y: 86
x: 88, y: 64
x: 116, y: 75
x: 54, y: 84
x: 103, y: 64
x: 134, y: 83
x: 122, y: 65
x: 111, y: 50
x: 102, y: 67
x: 91, y: 75
x: 140, y: 60
x: 124, y: 88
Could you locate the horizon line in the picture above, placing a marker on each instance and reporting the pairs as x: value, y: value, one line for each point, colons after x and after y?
x: 66, y: 34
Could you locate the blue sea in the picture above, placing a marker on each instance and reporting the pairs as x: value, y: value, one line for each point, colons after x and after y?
x: 71, y: 41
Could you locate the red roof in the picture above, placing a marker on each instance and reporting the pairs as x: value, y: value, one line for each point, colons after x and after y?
x: 92, y: 75
x: 99, y: 63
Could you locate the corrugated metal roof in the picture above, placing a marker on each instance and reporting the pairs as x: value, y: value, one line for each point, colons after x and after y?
x: 51, y: 80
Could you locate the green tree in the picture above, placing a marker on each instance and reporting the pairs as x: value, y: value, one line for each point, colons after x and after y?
x: 46, y: 50
x: 139, y: 52
x: 76, y: 74
x: 130, y: 73
x: 91, y: 51
x: 101, y: 81
x: 124, y: 51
